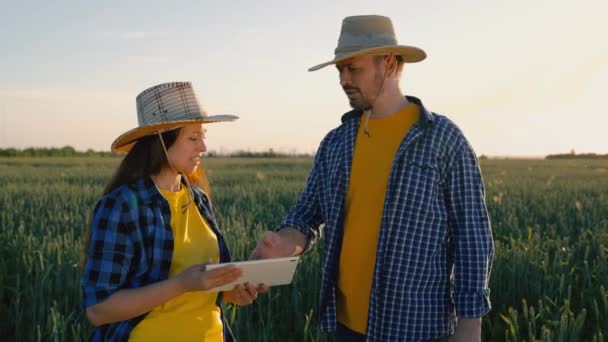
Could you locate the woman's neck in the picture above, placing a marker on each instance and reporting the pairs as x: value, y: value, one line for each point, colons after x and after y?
x: 167, y: 179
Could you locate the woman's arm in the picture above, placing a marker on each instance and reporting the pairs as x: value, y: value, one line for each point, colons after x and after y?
x: 129, y: 303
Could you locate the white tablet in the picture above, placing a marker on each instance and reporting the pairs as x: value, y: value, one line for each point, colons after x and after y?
x: 271, y: 272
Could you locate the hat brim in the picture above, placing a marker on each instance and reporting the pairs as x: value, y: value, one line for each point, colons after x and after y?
x: 125, y: 141
x: 410, y: 54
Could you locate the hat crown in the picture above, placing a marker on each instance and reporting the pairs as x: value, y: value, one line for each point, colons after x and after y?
x: 168, y: 102
x: 164, y: 107
x: 365, y: 31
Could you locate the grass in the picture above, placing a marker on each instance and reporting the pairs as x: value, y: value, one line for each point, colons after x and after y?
x: 549, y: 218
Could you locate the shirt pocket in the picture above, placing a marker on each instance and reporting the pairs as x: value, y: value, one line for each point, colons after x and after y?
x: 417, y: 206
x: 417, y: 187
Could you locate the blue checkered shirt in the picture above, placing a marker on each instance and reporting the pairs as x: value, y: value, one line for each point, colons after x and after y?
x: 132, y: 246
x: 435, y: 245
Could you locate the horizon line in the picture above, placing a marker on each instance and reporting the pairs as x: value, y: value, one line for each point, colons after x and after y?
x: 295, y: 152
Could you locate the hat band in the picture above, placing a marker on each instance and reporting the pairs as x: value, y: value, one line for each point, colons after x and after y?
x: 351, y: 49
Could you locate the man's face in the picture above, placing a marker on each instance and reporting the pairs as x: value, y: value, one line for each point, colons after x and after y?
x: 361, y: 78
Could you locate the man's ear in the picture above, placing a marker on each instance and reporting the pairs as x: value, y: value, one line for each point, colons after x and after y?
x: 391, y: 64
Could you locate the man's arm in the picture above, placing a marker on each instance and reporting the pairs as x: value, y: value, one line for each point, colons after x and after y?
x: 471, y: 238
x: 301, y: 227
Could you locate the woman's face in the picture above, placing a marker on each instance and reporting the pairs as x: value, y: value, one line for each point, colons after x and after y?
x: 185, y: 153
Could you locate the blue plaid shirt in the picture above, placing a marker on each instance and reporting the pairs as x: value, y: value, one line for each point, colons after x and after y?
x: 435, y: 245
x: 132, y: 246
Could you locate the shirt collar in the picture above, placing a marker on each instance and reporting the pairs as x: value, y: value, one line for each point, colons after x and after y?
x: 426, y: 117
x: 147, y: 191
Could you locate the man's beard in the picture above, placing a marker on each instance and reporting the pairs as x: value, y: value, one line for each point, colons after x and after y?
x: 363, y: 102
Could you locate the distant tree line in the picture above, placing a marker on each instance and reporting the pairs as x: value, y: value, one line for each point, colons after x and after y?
x: 65, y: 151
x: 573, y: 155
x: 69, y: 151
x: 270, y: 153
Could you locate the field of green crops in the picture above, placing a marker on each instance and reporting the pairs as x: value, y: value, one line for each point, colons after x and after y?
x: 549, y: 278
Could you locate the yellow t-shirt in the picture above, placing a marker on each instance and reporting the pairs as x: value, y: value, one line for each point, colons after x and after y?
x: 371, y: 165
x: 192, y: 316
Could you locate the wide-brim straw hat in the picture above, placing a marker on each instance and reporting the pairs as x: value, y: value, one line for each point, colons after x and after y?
x: 370, y: 35
x: 165, y: 107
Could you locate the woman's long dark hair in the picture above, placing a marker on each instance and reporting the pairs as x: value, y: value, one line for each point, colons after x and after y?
x: 146, y: 158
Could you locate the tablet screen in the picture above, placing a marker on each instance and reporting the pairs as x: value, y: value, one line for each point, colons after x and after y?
x: 271, y: 272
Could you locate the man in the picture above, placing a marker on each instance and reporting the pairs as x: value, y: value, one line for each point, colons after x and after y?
x: 408, y: 245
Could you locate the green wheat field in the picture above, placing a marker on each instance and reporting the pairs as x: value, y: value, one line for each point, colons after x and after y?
x: 549, y: 219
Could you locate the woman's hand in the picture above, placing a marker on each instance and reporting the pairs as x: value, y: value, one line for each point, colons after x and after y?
x: 243, y: 295
x: 129, y: 303
x: 195, y: 278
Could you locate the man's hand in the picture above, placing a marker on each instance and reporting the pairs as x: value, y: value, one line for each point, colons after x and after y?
x: 284, y: 243
x: 467, y: 330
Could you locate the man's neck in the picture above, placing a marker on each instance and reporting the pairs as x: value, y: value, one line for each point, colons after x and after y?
x: 388, y: 103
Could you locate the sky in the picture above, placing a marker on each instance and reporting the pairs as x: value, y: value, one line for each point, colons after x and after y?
x: 519, y: 77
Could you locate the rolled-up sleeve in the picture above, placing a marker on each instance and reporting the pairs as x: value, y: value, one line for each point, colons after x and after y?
x: 471, y: 235
x: 110, y: 251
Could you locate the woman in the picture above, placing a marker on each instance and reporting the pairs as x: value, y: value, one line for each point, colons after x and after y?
x: 153, y: 229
